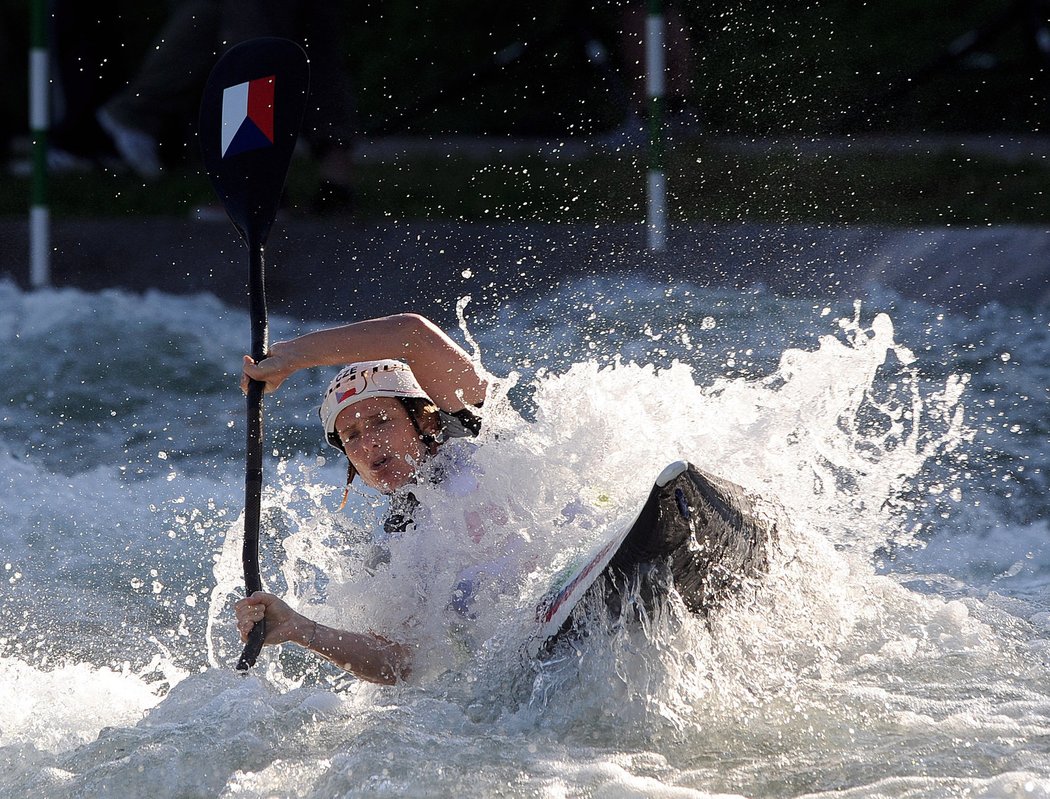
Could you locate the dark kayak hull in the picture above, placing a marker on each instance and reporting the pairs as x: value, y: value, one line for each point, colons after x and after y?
x: 696, y: 531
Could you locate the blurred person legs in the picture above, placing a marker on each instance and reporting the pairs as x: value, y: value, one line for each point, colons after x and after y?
x: 168, y: 84
x: 329, y: 126
x: 84, y: 41
x: 166, y: 89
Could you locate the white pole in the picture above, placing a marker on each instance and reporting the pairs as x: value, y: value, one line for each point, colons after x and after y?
x: 39, y: 214
x: 654, y: 71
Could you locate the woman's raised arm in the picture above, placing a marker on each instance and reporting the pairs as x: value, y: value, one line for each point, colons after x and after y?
x: 442, y: 367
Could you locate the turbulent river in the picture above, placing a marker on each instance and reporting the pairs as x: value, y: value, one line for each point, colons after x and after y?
x: 899, y: 647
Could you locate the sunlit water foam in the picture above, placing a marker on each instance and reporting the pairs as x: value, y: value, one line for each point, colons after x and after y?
x: 830, y: 440
x: 825, y: 658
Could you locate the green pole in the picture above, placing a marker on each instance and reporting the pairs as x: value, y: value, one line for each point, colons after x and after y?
x: 654, y: 78
x: 39, y: 214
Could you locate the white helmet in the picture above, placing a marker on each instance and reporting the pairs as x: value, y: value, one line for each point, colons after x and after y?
x: 365, y: 380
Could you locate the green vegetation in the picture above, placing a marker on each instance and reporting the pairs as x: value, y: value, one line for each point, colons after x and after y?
x: 705, y: 184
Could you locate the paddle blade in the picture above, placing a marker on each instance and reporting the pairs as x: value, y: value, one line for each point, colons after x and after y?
x: 251, y: 113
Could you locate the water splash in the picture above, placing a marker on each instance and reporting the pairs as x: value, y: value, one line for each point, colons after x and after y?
x: 830, y: 443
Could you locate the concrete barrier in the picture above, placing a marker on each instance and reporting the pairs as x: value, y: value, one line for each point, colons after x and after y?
x: 331, y: 270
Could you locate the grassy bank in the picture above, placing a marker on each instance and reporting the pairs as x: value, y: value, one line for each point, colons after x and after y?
x: 705, y: 184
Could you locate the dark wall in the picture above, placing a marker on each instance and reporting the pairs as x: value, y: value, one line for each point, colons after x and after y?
x: 761, y: 67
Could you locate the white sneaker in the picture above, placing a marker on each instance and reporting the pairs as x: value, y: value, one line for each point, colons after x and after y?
x: 136, y: 147
x: 213, y: 212
x: 59, y: 162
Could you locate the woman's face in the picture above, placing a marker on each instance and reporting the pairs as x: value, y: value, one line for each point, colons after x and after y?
x: 382, y: 443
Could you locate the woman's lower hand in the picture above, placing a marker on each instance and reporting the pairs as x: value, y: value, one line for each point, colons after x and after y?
x: 282, y: 623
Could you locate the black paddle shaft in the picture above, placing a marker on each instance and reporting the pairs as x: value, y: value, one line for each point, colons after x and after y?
x: 253, y: 472
x: 251, y: 112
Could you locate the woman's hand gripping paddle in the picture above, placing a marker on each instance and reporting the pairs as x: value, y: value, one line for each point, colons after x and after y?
x: 250, y: 117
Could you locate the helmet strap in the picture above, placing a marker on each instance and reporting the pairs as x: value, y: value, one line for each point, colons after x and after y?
x: 429, y: 439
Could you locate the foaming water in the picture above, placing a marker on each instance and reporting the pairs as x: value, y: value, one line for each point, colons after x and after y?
x: 903, y: 624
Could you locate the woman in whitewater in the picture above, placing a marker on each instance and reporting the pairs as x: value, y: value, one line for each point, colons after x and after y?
x: 408, y: 389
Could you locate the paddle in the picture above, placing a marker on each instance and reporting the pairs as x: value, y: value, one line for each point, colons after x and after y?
x: 251, y: 112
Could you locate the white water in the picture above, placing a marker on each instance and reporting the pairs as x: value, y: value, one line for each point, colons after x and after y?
x: 899, y: 647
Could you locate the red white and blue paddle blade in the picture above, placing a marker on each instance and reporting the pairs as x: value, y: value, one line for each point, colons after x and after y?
x: 251, y: 113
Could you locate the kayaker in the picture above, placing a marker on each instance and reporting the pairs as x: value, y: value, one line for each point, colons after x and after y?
x: 405, y: 389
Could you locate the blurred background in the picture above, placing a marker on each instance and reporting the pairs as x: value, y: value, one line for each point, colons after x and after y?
x: 836, y: 112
